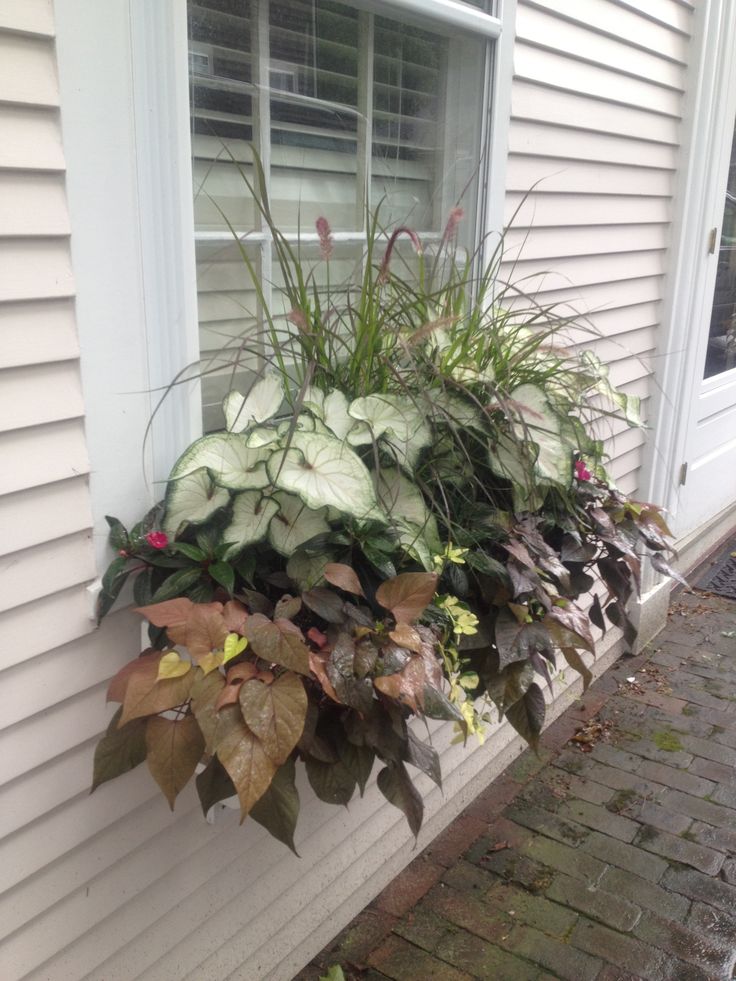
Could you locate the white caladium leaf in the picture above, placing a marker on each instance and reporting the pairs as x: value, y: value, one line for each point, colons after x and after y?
x: 192, y: 499
x: 314, y: 401
x: 387, y: 413
x: 536, y: 421
x: 295, y: 524
x: 406, y: 451
x: 516, y: 462
x: 630, y: 405
x: 261, y: 436
x: 262, y: 402
x: 323, y: 471
x: 229, y: 459
x: 452, y: 410
x: 414, y: 541
x: 403, y: 501
x: 335, y: 415
x: 252, y: 513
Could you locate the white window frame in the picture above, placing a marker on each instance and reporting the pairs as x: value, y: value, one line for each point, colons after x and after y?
x: 123, y: 68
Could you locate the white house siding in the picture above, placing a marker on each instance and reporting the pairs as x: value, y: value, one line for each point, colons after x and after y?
x: 113, y: 886
x: 597, y: 100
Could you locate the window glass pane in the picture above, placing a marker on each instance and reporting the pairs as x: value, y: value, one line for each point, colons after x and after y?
x: 721, y: 354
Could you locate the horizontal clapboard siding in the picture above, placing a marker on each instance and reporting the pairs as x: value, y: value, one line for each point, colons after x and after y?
x: 114, y: 886
x: 594, y: 144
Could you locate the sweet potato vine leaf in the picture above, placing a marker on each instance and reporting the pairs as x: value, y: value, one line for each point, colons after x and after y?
x: 174, y: 749
x: 278, y: 809
x: 116, y: 688
x: 244, y: 757
x: 406, y: 596
x: 205, y: 630
x: 406, y: 686
x: 145, y: 694
x: 213, y: 785
x: 333, y: 783
x: 344, y: 577
x: 576, y: 662
x: 279, y: 642
x: 275, y: 713
x: 527, y: 714
x: 205, y: 694
x: 395, y: 784
x: 119, y: 750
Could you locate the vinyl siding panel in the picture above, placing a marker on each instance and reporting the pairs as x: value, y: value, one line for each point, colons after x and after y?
x: 594, y: 143
x: 114, y: 886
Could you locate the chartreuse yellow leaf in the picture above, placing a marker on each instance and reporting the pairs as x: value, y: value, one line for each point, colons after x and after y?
x: 211, y: 661
x: 172, y: 666
x: 234, y: 645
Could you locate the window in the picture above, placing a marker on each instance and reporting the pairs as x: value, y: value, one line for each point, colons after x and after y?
x: 349, y: 107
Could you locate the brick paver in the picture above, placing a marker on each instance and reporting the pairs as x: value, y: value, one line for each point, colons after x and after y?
x: 613, y: 864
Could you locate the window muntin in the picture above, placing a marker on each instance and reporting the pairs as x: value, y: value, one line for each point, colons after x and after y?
x: 346, y: 109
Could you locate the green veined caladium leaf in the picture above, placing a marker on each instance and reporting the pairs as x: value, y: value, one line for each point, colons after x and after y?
x: 229, y: 459
x: 515, y: 461
x: 322, y: 471
x: 252, y: 513
x: 536, y: 421
x: 387, y: 414
x: 416, y: 526
x: 191, y: 500
x: 261, y: 403
x: 295, y: 524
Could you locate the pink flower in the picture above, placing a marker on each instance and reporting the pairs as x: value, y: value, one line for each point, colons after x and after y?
x: 325, y: 237
x: 581, y: 471
x: 157, y: 539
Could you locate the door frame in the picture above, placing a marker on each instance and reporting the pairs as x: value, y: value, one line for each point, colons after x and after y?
x: 709, y: 109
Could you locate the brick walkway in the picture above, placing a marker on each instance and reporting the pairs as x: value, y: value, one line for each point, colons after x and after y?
x: 613, y: 864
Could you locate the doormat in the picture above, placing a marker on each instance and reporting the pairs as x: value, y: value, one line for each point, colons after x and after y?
x: 721, y: 577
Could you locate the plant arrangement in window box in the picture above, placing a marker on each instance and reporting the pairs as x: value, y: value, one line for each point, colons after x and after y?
x: 405, y: 516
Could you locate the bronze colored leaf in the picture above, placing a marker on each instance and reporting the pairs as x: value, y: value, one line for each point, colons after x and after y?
x: 278, y: 643
x: 116, y: 688
x: 278, y: 809
x: 396, y: 786
x: 235, y: 678
x: 332, y: 782
x: 205, y: 631
x: 358, y: 760
x: 206, y: 691
x: 146, y: 695
x: 423, y: 757
x: 170, y: 613
x: 275, y: 713
x: 244, y: 757
x: 352, y: 690
x: 407, y: 595
x: 577, y: 664
x: 325, y: 603
x: 235, y: 614
x: 287, y: 607
x: 174, y: 749
x: 318, y: 666
x: 344, y: 577
x: 119, y: 750
x: 406, y: 636
x: 407, y: 686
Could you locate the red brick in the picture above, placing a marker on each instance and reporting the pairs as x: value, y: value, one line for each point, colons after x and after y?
x: 455, y: 840
x: 402, y: 961
x: 408, y: 887
x: 492, y: 801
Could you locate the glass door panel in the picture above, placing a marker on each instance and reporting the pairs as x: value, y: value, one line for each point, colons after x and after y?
x: 721, y: 353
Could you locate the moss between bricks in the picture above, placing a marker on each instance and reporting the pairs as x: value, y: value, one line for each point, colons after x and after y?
x: 667, y: 741
x: 621, y: 800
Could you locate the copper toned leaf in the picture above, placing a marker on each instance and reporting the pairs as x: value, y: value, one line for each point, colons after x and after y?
x: 278, y: 809
x: 576, y: 662
x: 213, y: 785
x: 572, y: 618
x: 174, y: 749
x: 116, y: 688
x: 406, y: 636
x: 171, y: 613
x: 205, y: 693
x: 344, y: 577
x: 407, y: 595
x: 278, y: 643
x: 244, y: 757
x: 318, y: 666
x: 407, y: 686
x: 396, y: 786
x: 234, y: 680
x: 235, y: 614
x: 205, y: 631
x: 527, y: 714
x: 146, y: 695
x: 275, y: 713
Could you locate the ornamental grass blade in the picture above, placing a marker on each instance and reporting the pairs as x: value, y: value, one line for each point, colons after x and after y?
x: 175, y: 747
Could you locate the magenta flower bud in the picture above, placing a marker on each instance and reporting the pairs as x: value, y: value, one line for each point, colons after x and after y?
x: 157, y: 539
